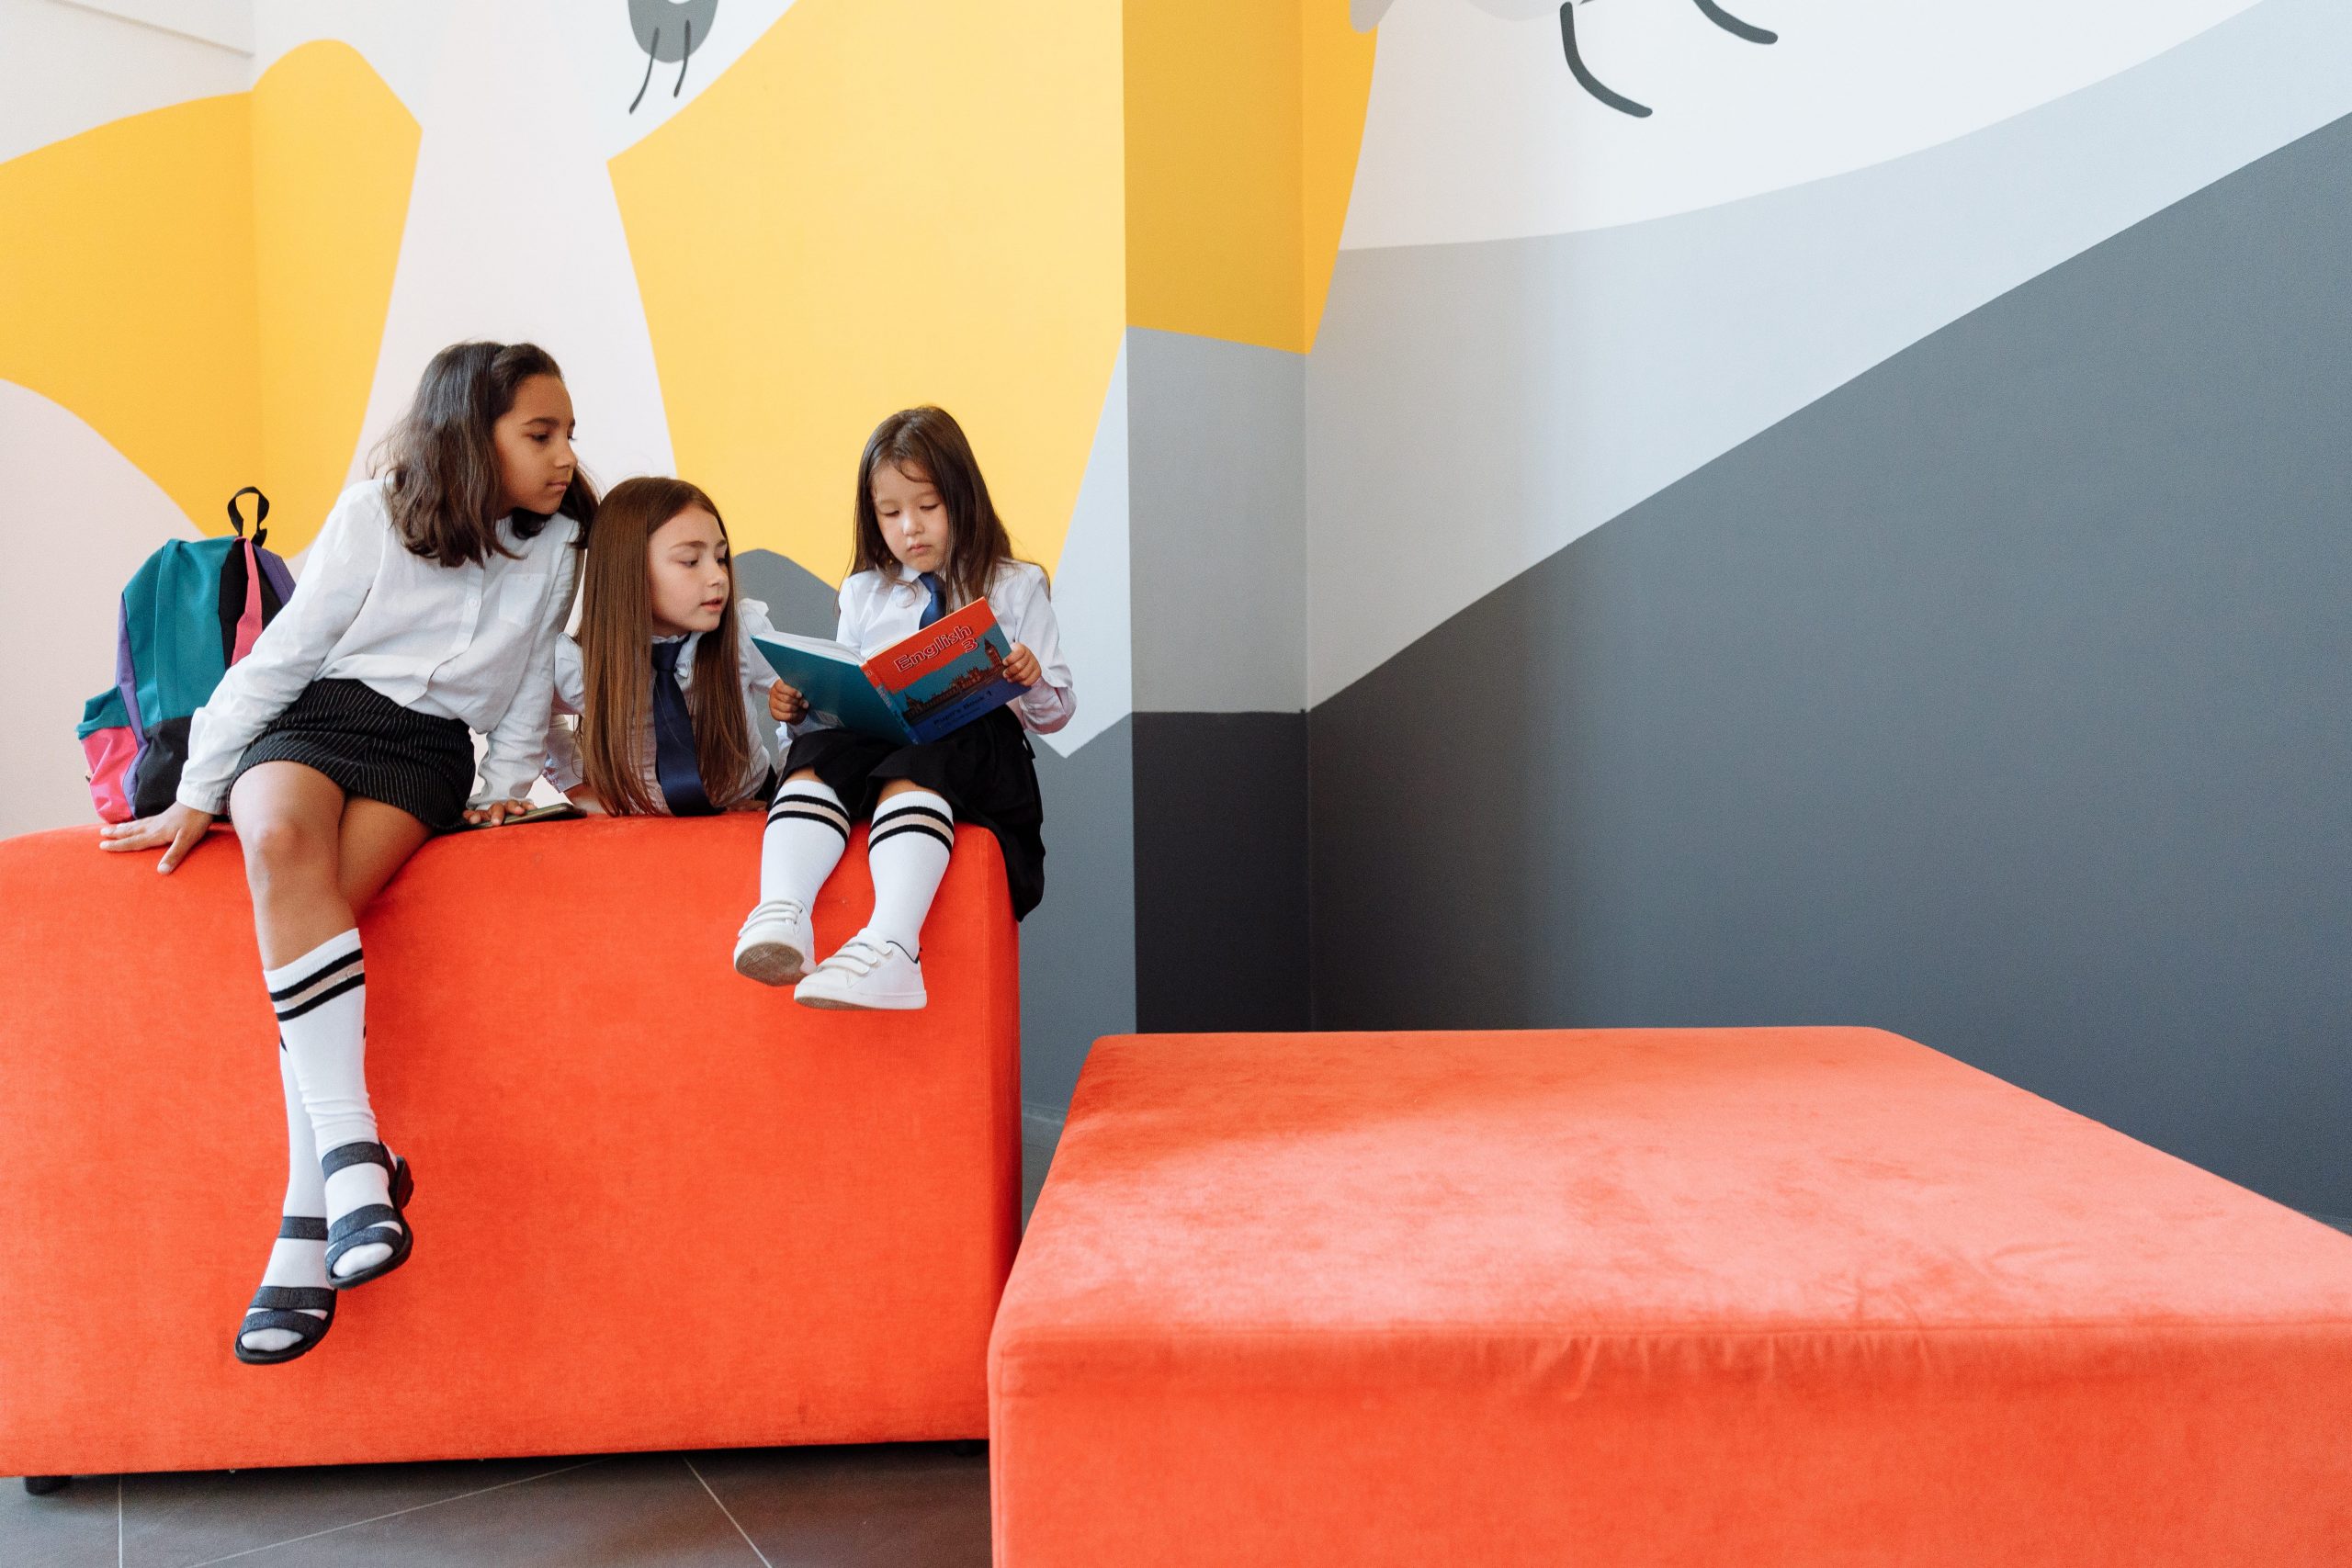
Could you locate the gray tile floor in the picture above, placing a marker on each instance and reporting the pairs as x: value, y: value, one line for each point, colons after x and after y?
x: 908, y: 1505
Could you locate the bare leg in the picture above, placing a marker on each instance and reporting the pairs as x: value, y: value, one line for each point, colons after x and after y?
x: 377, y: 841
x: 290, y: 823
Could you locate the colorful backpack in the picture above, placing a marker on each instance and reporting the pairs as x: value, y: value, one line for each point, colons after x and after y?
x: 192, y: 610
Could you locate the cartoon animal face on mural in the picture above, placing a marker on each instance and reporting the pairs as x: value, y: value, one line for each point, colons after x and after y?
x: 669, y: 30
x: 1367, y: 14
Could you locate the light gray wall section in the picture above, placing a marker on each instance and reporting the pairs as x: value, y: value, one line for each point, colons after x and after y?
x: 2002, y: 698
x: 1217, y: 520
x: 1078, y: 948
x: 798, y: 601
x: 1473, y: 407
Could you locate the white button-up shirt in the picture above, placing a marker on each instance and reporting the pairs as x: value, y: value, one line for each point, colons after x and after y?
x: 564, y: 769
x: 474, y: 642
x: 877, y: 610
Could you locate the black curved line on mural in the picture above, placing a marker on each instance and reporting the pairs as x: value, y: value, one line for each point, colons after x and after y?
x: 650, y: 21
x: 1734, y: 25
x: 1584, y: 78
x: 649, y: 75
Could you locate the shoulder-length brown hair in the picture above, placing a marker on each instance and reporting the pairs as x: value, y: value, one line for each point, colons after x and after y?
x: 929, y: 443
x: 440, y: 465
x: 616, y: 636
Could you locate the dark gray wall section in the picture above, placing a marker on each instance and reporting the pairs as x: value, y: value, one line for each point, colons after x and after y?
x: 1078, y: 947
x: 1220, y: 924
x: 798, y: 601
x: 2000, y: 698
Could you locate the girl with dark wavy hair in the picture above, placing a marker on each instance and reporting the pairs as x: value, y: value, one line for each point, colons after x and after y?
x: 428, y: 609
x: 927, y: 541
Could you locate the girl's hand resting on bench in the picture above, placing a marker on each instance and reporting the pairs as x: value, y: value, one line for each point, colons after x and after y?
x: 497, y: 811
x: 177, y: 827
x: 786, y: 704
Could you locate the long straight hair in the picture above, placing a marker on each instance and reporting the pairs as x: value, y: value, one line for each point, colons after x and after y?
x: 927, y: 442
x: 615, y: 634
x: 440, y: 464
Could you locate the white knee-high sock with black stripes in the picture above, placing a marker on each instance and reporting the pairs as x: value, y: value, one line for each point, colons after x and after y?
x: 321, y: 1001
x: 296, y: 1261
x: 808, y: 830
x: 914, y: 832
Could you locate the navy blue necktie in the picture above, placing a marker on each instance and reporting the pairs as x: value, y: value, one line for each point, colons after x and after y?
x: 938, y: 605
x: 673, y: 737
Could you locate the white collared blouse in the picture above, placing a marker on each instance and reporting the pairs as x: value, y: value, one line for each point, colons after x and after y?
x: 474, y: 642
x: 564, y: 770
x: 877, y: 610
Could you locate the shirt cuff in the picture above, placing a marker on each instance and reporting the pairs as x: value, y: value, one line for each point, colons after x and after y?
x: 196, y: 799
x: 496, y: 787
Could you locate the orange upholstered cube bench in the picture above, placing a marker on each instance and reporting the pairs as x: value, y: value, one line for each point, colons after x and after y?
x: 657, y: 1205
x: 1781, y: 1299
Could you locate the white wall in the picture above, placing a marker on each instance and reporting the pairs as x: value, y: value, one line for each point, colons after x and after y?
x: 65, y: 68
x: 80, y: 517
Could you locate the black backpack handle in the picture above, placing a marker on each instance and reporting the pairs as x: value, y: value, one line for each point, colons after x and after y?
x: 261, y: 513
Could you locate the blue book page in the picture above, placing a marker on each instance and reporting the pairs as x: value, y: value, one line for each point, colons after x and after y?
x: 832, y: 677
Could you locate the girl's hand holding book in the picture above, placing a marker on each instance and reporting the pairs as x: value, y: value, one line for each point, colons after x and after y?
x: 786, y: 704
x: 1022, y: 668
x: 496, y: 812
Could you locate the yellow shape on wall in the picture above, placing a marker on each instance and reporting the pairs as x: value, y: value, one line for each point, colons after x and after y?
x: 335, y: 159
x: 882, y: 203
x: 206, y: 285
x: 1334, y: 74
x: 1244, y: 119
x: 127, y: 292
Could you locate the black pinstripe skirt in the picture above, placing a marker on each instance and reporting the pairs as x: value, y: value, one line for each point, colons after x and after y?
x: 372, y: 746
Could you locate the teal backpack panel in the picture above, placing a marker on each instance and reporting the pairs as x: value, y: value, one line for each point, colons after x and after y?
x: 171, y: 616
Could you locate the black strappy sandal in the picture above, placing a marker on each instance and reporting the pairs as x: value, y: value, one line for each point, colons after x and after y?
x: 370, y: 1224
x: 282, y: 1306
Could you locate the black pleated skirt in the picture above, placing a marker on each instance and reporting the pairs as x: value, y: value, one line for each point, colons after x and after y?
x: 373, y: 748
x: 986, y: 771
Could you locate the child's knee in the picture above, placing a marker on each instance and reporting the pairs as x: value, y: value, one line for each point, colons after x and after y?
x: 281, y: 849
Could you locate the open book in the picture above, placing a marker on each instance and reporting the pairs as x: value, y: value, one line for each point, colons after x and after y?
x: 936, y: 682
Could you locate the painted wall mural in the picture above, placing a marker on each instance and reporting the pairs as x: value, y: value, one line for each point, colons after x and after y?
x: 747, y: 231
x: 1890, y: 498
x: 667, y: 29
x: 1626, y: 300
x: 742, y: 259
x: 1367, y: 14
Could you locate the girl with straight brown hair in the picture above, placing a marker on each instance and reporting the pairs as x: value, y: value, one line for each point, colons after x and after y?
x: 671, y: 697
x: 926, y: 543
